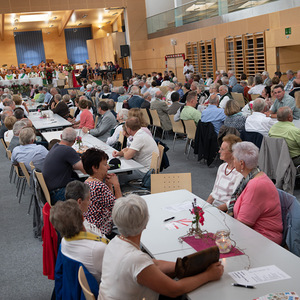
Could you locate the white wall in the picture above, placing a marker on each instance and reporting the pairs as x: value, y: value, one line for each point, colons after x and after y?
x: 154, y: 7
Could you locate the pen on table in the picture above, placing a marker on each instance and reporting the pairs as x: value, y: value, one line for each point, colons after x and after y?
x: 169, y: 219
x: 245, y: 286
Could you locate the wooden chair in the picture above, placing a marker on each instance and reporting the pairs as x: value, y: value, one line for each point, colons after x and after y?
x: 190, y: 129
x: 156, y: 122
x: 161, y: 149
x: 72, y: 111
x: 20, y: 182
x: 96, y: 121
x: 11, y: 172
x: 121, y: 140
x: 155, y: 162
x: 170, y: 182
x: 146, y: 116
x: 43, y: 185
x: 254, y: 96
x: 177, y: 127
x: 27, y: 177
x: 85, y: 285
x: 239, y: 98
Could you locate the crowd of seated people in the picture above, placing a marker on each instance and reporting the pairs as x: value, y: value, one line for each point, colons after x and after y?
x: 238, y: 187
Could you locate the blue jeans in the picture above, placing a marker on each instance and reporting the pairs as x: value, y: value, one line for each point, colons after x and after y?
x: 57, y: 195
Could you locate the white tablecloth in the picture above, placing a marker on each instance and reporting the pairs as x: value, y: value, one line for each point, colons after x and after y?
x: 35, y: 80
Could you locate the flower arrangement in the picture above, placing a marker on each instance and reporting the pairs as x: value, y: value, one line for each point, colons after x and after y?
x: 69, y: 68
x: 49, y: 75
x: 198, y: 217
x: 78, y: 140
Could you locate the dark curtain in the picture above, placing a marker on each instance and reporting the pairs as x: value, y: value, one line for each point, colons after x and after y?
x: 29, y: 47
x: 76, y: 44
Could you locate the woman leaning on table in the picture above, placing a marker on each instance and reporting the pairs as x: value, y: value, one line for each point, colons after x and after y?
x: 128, y: 273
x: 255, y: 202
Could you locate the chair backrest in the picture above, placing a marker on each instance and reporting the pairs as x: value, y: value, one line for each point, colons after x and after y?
x: 25, y: 172
x: 4, y: 144
x: 146, y: 116
x: 94, y: 100
x: 161, y: 149
x: 190, y: 128
x: 121, y: 139
x: 254, y: 96
x: 155, y: 162
x: 43, y: 185
x: 85, y: 285
x: 170, y: 182
x: 8, y: 153
x: 155, y: 118
x: 31, y: 166
x: 72, y: 111
x: 96, y: 121
x: 177, y: 126
x: 239, y: 98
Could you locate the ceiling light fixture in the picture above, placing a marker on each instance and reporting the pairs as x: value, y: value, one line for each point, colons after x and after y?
x: 51, y: 25
x: 16, y: 20
x: 34, y: 18
x: 84, y: 16
x: 79, y: 24
x: 54, y: 18
x: 15, y: 28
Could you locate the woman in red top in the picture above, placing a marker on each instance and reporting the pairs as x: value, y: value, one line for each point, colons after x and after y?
x: 86, y: 117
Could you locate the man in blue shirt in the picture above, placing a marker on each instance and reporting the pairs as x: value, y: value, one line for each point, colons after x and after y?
x: 214, y: 114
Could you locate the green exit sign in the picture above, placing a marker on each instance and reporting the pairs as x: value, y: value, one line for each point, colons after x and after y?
x: 288, y: 31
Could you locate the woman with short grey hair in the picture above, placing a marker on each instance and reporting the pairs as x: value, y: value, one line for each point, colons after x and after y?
x: 139, y: 276
x: 255, y: 201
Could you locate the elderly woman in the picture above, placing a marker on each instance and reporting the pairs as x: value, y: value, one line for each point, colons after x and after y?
x: 255, y: 202
x: 234, y: 115
x: 77, y: 243
x: 258, y: 86
x: 129, y: 273
x: 86, y: 117
x: 122, y: 116
x: 103, y: 195
x: 228, y: 178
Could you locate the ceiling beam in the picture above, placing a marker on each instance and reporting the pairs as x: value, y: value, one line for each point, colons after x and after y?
x: 64, y: 22
x: 2, y: 26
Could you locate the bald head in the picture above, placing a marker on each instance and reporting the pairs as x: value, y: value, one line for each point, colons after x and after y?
x: 285, y: 114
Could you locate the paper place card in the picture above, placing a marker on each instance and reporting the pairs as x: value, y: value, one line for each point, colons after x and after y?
x: 178, y: 224
x: 259, y: 275
x: 280, y: 296
x: 179, y: 207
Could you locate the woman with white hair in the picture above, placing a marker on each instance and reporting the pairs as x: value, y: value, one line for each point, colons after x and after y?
x: 129, y: 273
x: 122, y: 116
x: 255, y: 201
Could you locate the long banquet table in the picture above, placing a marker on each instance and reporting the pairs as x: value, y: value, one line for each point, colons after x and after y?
x: 162, y: 243
x: 91, y: 141
x: 52, y: 122
x: 34, y: 80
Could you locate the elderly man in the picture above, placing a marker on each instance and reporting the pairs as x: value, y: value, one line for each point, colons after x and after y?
x: 282, y: 99
x: 59, y: 164
x: 289, y: 85
x: 15, y: 141
x: 286, y: 129
x: 141, y: 149
x: 232, y: 79
x: 258, y: 121
x: 136, y: 100
x: 147, y: 100
x: 161, y: 107
x: 28, y: 151
x: 49, y: 97
x: 171, y: 90
x: 189, y: 112
x: 178, y: 89
x: 214, y: 114
x: 266, y: 78
x: 225, y: 96
x: 175, y: 97
x: 60, y: 107
x: 105, y: 124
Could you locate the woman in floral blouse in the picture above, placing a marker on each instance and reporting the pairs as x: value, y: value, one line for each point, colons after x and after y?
x: 104, y: 189
x: 235, y: 117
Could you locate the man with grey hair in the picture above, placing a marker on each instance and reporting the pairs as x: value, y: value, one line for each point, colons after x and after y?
x: 29, y: 151
x: 266, y: 78
x: 171, y: 90
x: 135, y: 101
x: 214, y: 114
x: 225, y: 96
x: 232, y: 79
x: 59, y: 164
x: 289, y: 85
x: 147, y: 100
x: 258, y: 121
x: 161, y: 107
x: 16, y: 131
x: 286, y: 129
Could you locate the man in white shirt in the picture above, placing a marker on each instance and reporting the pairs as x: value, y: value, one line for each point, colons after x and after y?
x: 258, y: 121
x: 225, y: 96
x: 141, y: 149
x: 22, y: 75
x: 188, y: 69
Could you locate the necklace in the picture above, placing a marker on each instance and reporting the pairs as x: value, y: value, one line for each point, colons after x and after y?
x: 129, y: 241
x: 226, y: 174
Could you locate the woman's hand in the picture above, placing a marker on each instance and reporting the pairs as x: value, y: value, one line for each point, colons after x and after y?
x: 85, y: 129
x: 111, y: 179
x: 215, y: 271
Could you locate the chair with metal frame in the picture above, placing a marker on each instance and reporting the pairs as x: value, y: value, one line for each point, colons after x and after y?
x: 43, y: 185
x: 156, y: 122
x: 190, y: 129
x: 177, y: 127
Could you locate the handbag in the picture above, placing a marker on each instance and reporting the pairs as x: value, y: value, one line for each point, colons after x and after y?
x: 196, y: 263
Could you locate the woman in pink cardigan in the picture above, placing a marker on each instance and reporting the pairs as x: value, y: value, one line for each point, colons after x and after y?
x: 86, y: 117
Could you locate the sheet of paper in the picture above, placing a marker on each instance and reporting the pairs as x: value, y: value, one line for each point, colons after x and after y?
x: 178, y: 224
x: 280, y: 296
x: 179, y: 207
x: 259, y: 275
